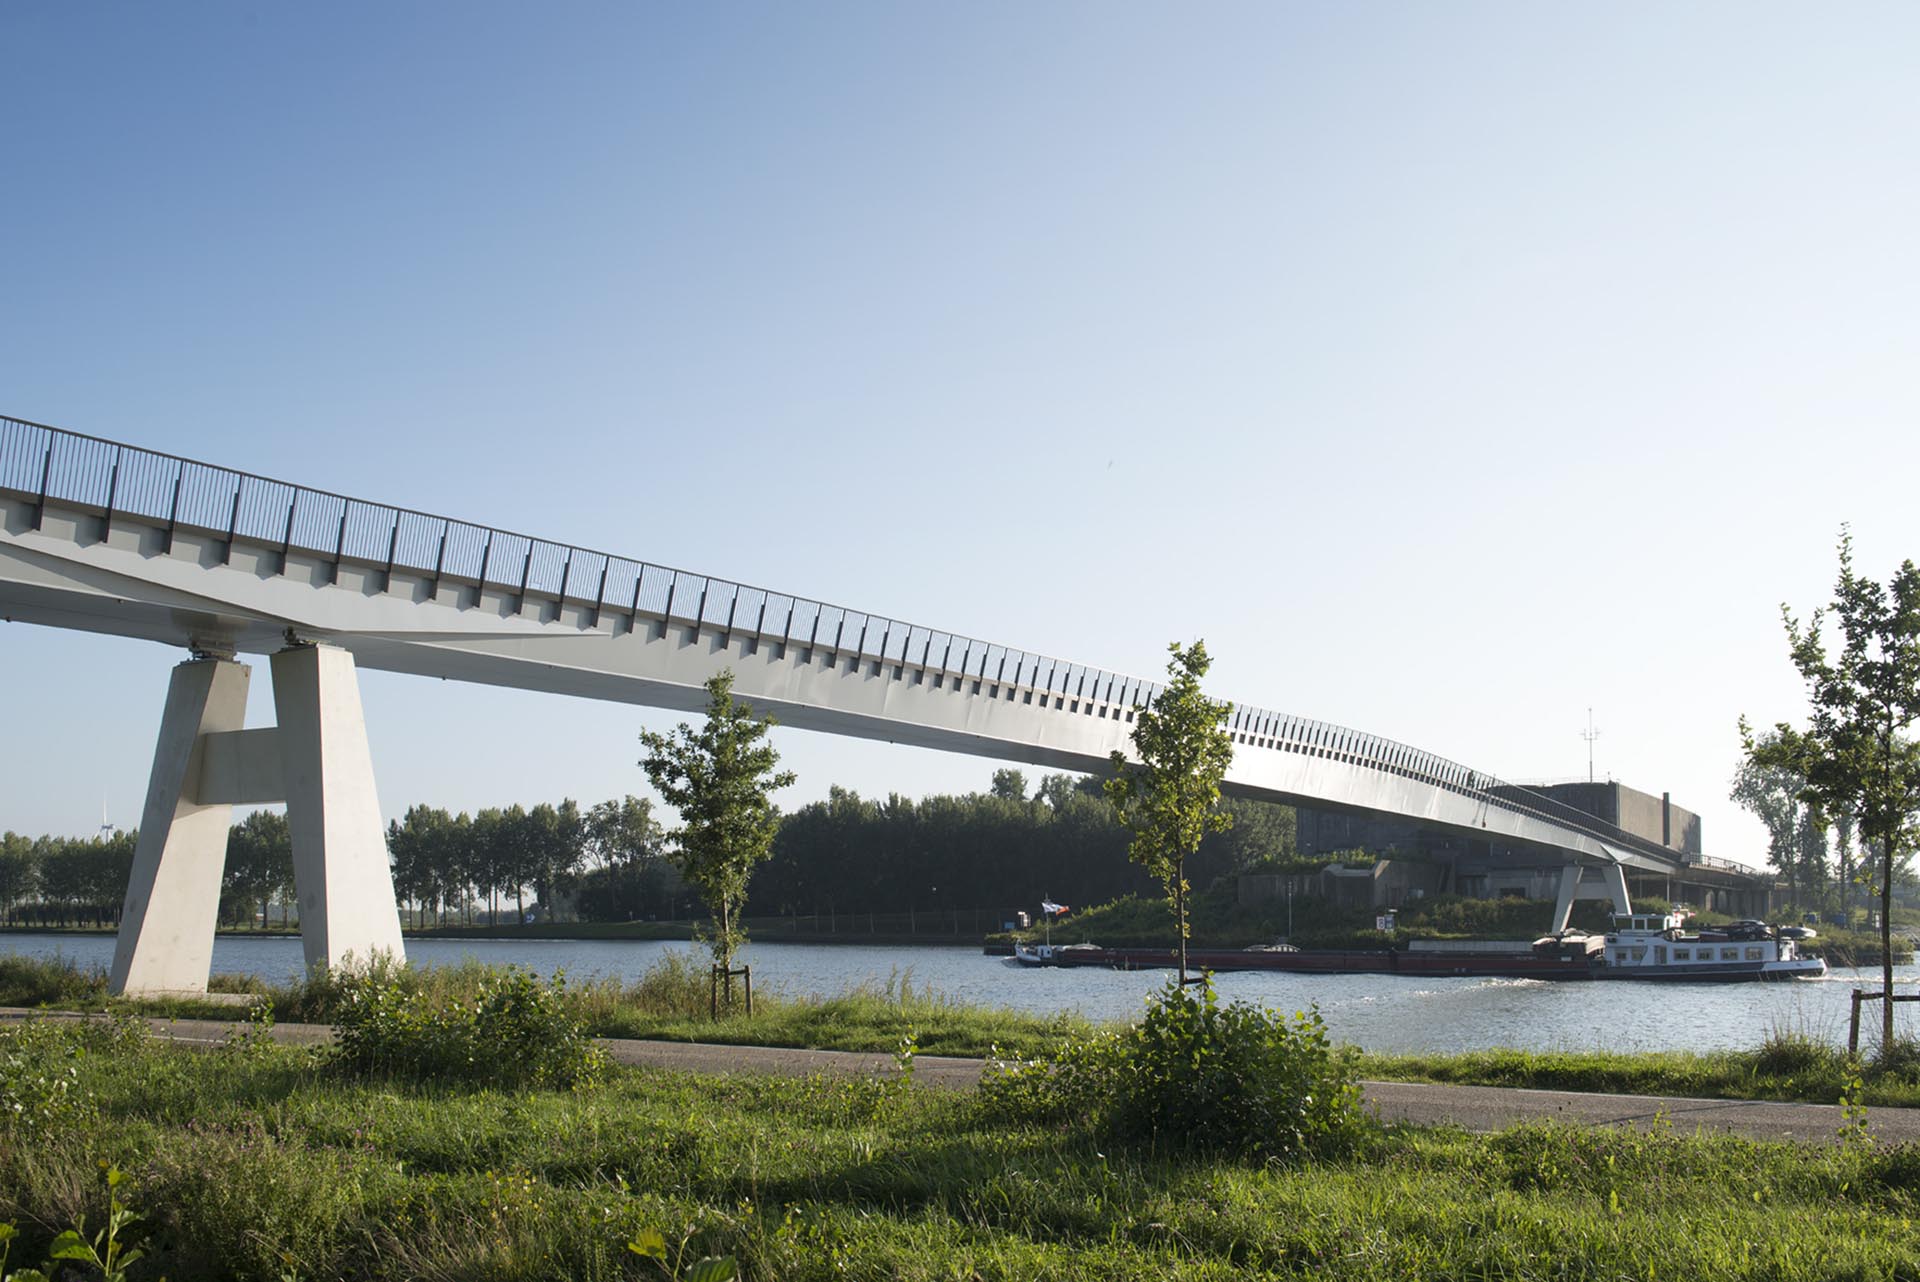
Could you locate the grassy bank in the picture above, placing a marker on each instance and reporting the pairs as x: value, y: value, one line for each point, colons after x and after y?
x: 1785, y: 1067
x: 254, y: 1162
x: 670, y: 1003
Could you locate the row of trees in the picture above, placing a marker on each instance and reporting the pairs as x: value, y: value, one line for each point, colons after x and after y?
x: 998, y: 849
x: 610, y: 856
x: 64, y: 881
x: 82, y: 881
x: 1001, y: 849
x: 443, y: 863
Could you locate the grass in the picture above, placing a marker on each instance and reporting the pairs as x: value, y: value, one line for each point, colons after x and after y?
x: 248, y: 1165
x: 1785, y: 1067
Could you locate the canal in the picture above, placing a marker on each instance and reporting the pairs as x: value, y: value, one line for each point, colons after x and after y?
x: 1384, y: 1013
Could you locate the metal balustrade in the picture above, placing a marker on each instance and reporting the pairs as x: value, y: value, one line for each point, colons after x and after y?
x: 50, y: 465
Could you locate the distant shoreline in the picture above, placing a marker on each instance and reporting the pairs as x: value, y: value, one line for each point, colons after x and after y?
x: 571, y: 932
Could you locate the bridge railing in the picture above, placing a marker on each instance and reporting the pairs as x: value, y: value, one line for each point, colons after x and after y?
x: 53, y: 465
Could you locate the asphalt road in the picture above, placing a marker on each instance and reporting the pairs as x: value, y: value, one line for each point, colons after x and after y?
x: 1474, y: 1108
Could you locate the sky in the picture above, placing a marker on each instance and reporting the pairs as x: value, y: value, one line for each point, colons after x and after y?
x: 1450, y: 369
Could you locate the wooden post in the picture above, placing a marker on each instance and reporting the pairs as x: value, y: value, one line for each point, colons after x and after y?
x: 1853, y: 1026
x: 720, y: 978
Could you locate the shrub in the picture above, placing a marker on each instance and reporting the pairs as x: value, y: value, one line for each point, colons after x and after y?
x: 1233, y: 1078
x: 515, y: 1031
x: 1071, y: 1083
x: 1198, y: 1076
x: 41, y: 1089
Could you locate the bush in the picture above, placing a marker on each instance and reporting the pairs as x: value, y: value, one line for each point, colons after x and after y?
x: 515, y: 1031
x: 41, y: 1090
x: 1198, y: 1076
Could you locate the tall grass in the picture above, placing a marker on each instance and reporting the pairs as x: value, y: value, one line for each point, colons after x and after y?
x: 55, y: 981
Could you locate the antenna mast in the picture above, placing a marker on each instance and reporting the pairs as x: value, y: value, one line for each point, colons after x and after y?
x: 1589, y: 734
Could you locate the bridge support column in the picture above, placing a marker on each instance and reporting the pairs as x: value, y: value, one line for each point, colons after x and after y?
x: 316, y: 760
x: 173, y: 895
x: 1612, y: 885
x: 340, y: 871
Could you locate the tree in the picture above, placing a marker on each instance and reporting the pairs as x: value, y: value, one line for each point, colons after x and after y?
x: 623, y: 832
x: 424, y: 847
x: 720, y: 778
x: 1010, y: 785
x: 1170, y: 801
x: 1844, y: 851
x: 1858, y: 754
x: 553, y: 841
x: 1773, y: 794
x: 260, y: 862
x: 19, y: 871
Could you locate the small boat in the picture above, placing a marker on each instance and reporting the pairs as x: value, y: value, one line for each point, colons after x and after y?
x: 1657, y: 946
x: 1034, y: 955
x: 1055, y: 955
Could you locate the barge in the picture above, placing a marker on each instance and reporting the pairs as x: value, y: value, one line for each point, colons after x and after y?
x: 1639, y: 946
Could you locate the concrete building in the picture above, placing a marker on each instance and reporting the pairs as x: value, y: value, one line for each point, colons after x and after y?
x: 1418, y: 860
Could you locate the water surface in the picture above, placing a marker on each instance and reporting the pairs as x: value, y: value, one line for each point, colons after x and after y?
x: 1387, y: 1013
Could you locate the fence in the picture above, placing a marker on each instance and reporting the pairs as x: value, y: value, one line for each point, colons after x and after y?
x: 1861, y: 995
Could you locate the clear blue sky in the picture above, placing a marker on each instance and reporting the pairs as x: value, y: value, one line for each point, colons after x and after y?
x: 1448, y: 368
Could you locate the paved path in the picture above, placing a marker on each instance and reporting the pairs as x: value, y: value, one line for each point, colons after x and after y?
x: 1476, y: 1108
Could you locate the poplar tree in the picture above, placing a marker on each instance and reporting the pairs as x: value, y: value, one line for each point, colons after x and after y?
x: 720, y: 778
x: 1170, y: 799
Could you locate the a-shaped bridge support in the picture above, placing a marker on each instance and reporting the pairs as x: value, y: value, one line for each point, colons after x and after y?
x: 316, y: 760
x: 1609, y: 882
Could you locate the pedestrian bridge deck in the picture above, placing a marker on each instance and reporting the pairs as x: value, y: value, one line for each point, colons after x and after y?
x: 114, y: 538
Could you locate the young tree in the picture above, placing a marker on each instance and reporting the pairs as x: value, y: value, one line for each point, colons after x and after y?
x: 1858, y: 753
x: 1171, y: 800
x: 720, y: 778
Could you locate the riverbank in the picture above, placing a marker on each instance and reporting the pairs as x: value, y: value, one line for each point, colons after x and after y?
x: 254, y: 1162
x: 1411, y: 1099
x: 671, y: 1002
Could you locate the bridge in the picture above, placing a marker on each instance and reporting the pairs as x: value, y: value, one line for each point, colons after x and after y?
x: 113, y: 538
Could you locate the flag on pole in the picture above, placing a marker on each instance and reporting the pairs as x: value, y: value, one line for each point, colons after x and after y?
x: 1052, y: 909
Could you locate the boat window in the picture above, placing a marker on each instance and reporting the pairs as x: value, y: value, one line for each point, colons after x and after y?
x: 1683, y: 954
x: 1753, y: 954
x: 1619, y: 954
x: 1640, y: 952
x: 1729, y: 954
